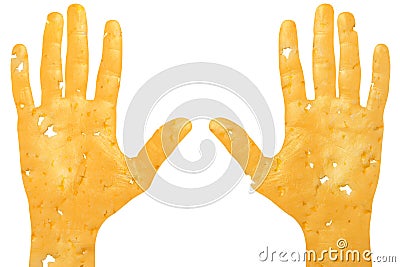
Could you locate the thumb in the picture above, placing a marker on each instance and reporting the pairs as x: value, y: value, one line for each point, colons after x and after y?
x: 242, y: 148
x: 157, y: 149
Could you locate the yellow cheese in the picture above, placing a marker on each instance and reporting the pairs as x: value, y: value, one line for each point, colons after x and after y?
x: 327, y: 171
x: 74, y: 173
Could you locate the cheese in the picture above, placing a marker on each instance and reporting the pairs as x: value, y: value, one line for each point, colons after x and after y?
x: 326, y: 173
x: 74, y: 173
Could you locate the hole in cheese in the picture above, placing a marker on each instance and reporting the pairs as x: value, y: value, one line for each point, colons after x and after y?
x: 346, y: 188
x: 50, y: 131
x: 324, y: 179
x: 286, y: 52
x: 48, y: 259
x: 20, y: 67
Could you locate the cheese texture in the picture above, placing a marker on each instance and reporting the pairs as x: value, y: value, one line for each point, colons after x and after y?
x: 327, y: 171
x: 74, y: 173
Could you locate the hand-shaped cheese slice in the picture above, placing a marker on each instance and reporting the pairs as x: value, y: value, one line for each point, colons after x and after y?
x: 327, y: 171
x: 74, y: 173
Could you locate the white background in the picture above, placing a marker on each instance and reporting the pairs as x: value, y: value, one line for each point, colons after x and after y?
x: 161, y: 34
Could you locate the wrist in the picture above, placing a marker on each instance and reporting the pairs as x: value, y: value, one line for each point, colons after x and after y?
x: 68, y: 246
x: 339, y: 242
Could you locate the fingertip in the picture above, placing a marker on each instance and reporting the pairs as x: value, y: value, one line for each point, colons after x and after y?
x: 324, y: 8
x: 76, y: 15
x: 213, y: 125
x: 324, y: 14
x: 182, y: 126
x: 219, y: 128
x: 19, y: 50
x: 223, y: 125
x: 346, y: 21
x: 185, y: 129
x: 19, y: 59
x: 382, y: 49
x: 216, y: 127
x: 288, y: 35
x: 55, y: 17
x: 112, y: 27
x: 76, y: 8
x: 288, y: 25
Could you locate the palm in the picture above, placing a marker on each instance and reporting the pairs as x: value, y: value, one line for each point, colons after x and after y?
x: 324, y: 150
x: 62, y: 155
